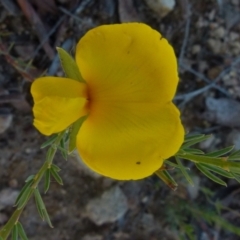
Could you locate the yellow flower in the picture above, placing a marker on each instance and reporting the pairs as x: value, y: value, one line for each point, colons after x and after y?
x: 131, y: 78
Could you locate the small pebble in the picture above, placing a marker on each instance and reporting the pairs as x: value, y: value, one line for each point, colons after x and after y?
x: 108, y: 208
x: 5, y: 122
x: 161, y: 7
x: 8, y: 197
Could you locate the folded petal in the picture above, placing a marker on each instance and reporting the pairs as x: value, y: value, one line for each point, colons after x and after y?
x: 127, y: 62
x: 130, y: 143
x: 58, y: 102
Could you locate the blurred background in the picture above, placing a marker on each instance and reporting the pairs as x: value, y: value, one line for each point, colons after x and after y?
x: 206, y: 38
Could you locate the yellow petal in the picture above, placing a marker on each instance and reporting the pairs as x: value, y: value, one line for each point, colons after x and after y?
x: 58, y: 102
x: 127, y: 62
x: 130, y: 142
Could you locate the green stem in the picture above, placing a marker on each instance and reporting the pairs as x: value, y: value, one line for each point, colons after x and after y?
x: 7, y: 228
x: 219, y: 162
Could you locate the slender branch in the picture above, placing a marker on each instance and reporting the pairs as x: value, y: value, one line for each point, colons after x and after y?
x: 7, y: 228
x: 215, y: 161
x: 13, y: 62
x: 186, y: 33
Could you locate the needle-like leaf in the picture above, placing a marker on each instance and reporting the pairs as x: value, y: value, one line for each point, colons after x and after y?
x: 21, y: 231
x: 210, y: 175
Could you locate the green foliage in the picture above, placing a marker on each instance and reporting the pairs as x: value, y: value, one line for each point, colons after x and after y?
x: 194, y: 140
x: 15, y: 233
x: 180, y: 213
x: 22, y: 195
x: 51, y: 152
x: 31, y: 188
x: 220, y: 153
x: 207, y: 163
x: 21, y: 231
x: 62, y: 149
x: 41, y: 207
x: 74, y: 129
x: 57, y: 177
x: 50, y: 141
x: 167, y: 178
x: 47, y: 180
x: 207, y: 173
x: 212, y: 217
x: 55, y: 167
x: 235, y: 156
x: 213, y: 165
x: 69, y: 65
x: 31, y: 177
x: 184, y: 171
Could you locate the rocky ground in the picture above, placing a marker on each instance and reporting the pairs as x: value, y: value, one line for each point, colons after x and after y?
x: 206, y: 37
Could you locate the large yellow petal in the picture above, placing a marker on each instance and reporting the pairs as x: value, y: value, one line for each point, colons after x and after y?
x: 127, y: 62
x: 58, y: 102
x: 130, y: 142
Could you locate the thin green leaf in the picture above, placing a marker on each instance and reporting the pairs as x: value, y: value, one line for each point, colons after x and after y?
x: 50, y: 141
x: 189, y: 230
x: 171, y: 164
x: 56, y: 176
x: 221, y: 152
x: 180, y: 151
x: 40, y: 212
x: 31, y: 177
x: 236, y: 177
x: 218, y: 170
x: 193, y: 137
x: 15, y: 232
x: 193, y: 151
x: 47, y: 218
x: 182, y: 237
x: 236, y: 153
x: 21, y: 231
x: 62, y: 149
x: 69, y: 65
x: 208, y: 193
x: 47, y: 180
x: 219, y: 162
x: 66, y: 137
x: 73, y: 134
x: 193, y: 142
x: 221, y: 222
x: 218, y: 206
x: 227, y: 225
x: 210, y: 175
x: 39, y: 203
x: 64, y: 152
x: 50, y: 154
x: 234, y: 157
x: 234, y: 169
x: 24, y: 198
x: 41, y: 207
x: 184, y: 172
x: 27, y: 185
x: 167, y: 179
x: 56, y: 168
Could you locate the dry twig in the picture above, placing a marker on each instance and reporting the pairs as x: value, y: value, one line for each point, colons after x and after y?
x: 211, y: 84
x: 14, y: 63
x: 186, y: 33
x: 37, y: 24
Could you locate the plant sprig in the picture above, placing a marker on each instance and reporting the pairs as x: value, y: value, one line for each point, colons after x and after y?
x: 13, y: 225
x: 210, y: 164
